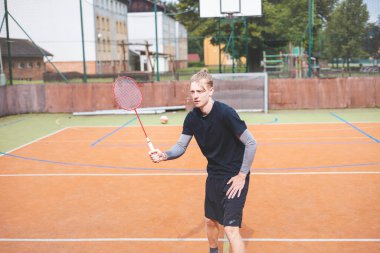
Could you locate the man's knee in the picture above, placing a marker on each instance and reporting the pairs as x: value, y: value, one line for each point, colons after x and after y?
x: 211, y: 223
x: 232, y: 232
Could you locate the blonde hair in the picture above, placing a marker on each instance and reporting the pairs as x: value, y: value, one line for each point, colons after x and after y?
x: 204, y: 76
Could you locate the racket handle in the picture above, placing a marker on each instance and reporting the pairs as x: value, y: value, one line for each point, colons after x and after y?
x: 150, y: 144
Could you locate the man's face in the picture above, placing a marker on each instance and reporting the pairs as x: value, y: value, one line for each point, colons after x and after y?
x: 200, y: 93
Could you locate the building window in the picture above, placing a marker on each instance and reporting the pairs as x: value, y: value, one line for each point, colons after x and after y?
x: 30, y: 65
x: 21, y: 65
x: 99, y: 45
x: 108, y: 45
x: 103, y: 23
x: 38, y: 65
x: 117, y: 7
x: 97, y: 23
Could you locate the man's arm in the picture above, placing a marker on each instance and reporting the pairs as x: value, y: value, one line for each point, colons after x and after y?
x: 176, y: 151
x: 249, y: 151
x: 238, y: 181
x: 179, y: 148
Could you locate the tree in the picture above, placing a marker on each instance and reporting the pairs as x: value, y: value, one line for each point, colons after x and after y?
x: 346, y: 30
x: 283, y: 21
x: 372, y: 41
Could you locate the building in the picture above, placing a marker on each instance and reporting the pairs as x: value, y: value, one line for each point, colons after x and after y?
x: 111, y: 36
x: 211, y: 54
x: 56, y: 26
x: 27, y: 59
x: 171, y: 36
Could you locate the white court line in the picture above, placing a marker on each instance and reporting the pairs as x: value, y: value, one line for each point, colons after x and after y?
x: 183, y: 174
x: 248, y: 124
x: 186, y: 239
x: 103, y: 175
x: 313, y: 123
x: 38, y: 139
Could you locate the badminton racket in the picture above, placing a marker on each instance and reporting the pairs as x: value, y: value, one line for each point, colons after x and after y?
x: 129, y: 97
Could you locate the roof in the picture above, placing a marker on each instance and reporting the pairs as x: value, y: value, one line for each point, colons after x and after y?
x: 22, y: 48
x: 193, y: 58
x: 143, y: 52
x: 133, y: 52
x: 145, y: 6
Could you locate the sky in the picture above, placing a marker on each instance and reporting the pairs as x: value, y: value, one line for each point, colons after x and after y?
x: 373, y: 7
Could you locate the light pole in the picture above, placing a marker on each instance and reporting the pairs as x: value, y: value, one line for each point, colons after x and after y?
x: 83, y: 49
x: 8, y: 44
x: 3, y: 80
x: 155, y: 24
x: 310, y: 26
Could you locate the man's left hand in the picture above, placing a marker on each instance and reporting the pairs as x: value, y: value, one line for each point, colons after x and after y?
x: 237, y: 185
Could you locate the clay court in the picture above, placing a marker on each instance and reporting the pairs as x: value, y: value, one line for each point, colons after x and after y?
x: 314, y: 188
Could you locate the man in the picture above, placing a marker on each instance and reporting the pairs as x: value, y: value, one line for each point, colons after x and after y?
x: 229, y: 148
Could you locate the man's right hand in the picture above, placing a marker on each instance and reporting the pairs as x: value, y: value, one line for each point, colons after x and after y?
x: 157, y: 156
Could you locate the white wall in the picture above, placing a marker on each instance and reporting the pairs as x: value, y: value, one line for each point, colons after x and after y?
x: 54, y: 25
x: 141, y: 28
x: 181, y: 45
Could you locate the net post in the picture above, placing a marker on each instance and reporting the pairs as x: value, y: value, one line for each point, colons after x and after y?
x: 266, y: 92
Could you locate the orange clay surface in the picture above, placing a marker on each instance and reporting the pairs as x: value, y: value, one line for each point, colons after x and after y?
x: 315, y: 188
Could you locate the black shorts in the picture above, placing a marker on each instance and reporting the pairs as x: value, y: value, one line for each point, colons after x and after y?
x: 228, y: 212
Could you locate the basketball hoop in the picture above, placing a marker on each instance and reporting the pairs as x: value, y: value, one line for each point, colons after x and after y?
x: 230, y: 7
x: 230, y: 15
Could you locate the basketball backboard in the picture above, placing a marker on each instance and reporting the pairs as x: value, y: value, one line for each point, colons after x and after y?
x: 221, y: 8
x: 230, y: 6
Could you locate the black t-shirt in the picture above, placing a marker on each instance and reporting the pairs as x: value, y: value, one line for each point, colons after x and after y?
x: 217, y: 135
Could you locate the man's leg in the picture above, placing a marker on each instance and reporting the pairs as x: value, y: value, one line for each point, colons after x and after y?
x: 236, y: 241
x: 212, y: 230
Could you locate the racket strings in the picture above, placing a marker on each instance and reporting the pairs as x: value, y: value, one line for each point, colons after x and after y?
x: 127, y: 94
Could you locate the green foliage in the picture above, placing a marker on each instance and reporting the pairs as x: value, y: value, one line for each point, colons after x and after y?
x: 196, y: 64
x: 346, y: 30
x: 372, y: 43
x: 282, y: 22
x: 340, y: 29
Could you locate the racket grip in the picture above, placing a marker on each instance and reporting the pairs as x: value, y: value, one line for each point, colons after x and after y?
x: 150, y: 144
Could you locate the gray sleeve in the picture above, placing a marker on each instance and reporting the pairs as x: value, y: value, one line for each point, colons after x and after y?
x: 249, y: 152
x: 179, y: 148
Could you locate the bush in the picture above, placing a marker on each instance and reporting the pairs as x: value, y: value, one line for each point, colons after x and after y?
x: 196, y: 64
